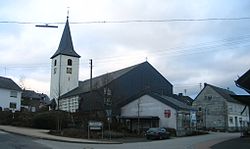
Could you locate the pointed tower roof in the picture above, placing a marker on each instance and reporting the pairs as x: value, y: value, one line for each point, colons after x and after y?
x: 66, y: 45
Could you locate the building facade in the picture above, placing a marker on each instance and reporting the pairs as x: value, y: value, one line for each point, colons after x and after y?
x: 33, y: 101
x: 10, y: 95
x: 64, y: 67
x: 122, y: 84
x: 216, y: 109
x: 154, y: 110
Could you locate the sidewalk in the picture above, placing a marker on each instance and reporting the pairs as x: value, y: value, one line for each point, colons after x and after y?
x: 43, y: 134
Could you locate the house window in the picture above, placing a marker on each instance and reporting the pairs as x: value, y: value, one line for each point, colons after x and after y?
x: 231, y: 120
x: 69, y: 62
x: 55, y: 63
x: 199, y: 109
x: 13, y: 94
x: 12, y: 105
x: 69, y: 70
x: 209, y: 97
x: 230, y: 108
x: 54, y: 70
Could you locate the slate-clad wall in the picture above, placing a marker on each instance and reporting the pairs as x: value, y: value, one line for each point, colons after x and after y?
x: 142, y: 78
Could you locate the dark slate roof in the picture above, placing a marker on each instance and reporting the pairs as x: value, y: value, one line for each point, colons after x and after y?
x: 66, y: 45
x: 175, y: 103
x: 244, y: 81
x: 98, y: 82
x: 244, y: 99
x: 7, y: 83
x: 225, y: 93
x: 170, y: 101
x: 186, y: 99
x: 30, y: 94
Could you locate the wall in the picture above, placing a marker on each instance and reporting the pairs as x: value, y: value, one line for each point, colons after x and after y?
x: 143, y: 77
x: 213, y: 113
x: 235, y: 119
x: 70, y: 104
x: 150, y: 107
x: 5, y: 99
x: 68, y: 81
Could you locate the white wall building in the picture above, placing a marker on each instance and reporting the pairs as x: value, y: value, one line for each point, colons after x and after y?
x: 10, y: 94
x: 155, y: 110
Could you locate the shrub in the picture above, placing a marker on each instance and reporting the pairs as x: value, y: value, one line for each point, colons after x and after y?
x: 23, y: 119
x: 51, y: 120
x: 5, y: 117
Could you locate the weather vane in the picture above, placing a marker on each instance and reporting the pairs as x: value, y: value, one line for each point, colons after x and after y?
x: 67, y: 12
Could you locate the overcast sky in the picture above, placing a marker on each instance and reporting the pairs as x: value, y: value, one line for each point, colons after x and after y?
x: 186, y: 53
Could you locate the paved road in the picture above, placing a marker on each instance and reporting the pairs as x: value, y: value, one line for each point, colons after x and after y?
x: 196, y: 142
x: 240, y: 143
x: 10, y: 141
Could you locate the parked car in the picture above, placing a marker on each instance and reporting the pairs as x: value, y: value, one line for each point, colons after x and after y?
x: 157, y: 133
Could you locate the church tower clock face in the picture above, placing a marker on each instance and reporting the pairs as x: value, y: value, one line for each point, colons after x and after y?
x: 64, y: 66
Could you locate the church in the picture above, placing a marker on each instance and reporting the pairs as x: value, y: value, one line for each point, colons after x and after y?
x: 69, y: 92
x: 126, y: 94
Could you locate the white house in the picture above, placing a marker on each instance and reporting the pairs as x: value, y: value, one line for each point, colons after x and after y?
x: 154, y: 110
x: 10, y: 94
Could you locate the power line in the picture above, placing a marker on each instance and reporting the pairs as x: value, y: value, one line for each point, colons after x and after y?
x: 175, y: 51
x: 136, y: 21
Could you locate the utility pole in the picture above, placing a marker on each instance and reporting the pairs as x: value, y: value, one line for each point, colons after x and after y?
x: 91, y: 67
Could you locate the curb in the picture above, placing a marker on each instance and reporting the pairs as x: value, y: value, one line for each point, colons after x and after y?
x: 62, y: 140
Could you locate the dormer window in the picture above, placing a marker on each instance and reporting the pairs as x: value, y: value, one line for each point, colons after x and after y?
x: 69, y: 62
x: 55, y: 63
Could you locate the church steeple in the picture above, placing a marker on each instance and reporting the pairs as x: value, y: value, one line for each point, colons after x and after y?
x: 66, y: 45
x: 64, y: 67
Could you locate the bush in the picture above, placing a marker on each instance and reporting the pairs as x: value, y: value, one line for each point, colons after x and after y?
x: 23, y: 119
x: 113, y: 134
x: 5, y: 117
x: 51, y: 120
x: 70, y: 132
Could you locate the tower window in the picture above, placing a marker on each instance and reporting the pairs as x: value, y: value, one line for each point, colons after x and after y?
x: 69, y: 62
x: 55, y: 63
x: 54, y: 70
x: 69, y: 70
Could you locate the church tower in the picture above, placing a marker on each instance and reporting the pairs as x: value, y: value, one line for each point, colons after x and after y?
x: 64, y: 66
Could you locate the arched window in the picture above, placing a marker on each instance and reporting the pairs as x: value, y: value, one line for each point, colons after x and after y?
x: 69, y: 62
x: 55, y: 63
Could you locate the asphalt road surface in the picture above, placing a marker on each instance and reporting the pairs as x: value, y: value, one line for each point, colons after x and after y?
x: 194, y: 142
x: 238, y: 143
x: 11, y: 141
